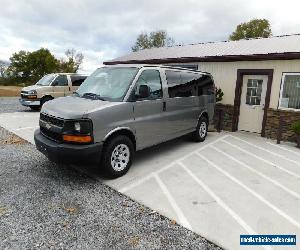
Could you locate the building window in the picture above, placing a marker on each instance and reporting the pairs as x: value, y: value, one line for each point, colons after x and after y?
x: 290, y: 91
x: 254, y: 89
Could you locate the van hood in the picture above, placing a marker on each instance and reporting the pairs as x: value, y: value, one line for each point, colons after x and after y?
x: 73, y: 107
x: 33, y: 87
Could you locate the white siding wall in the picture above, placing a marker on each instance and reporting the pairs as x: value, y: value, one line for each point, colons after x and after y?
x: 225, y: 74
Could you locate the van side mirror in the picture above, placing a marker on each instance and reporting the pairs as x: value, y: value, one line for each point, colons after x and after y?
x: 144, y: 91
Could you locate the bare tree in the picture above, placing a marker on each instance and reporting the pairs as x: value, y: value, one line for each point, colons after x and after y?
x: 73, y: 62
x: 75, y: 57
x: 3, y: 68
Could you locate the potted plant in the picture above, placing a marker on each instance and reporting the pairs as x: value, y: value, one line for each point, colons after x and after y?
x: 296, y: 129
x: 219, y: 94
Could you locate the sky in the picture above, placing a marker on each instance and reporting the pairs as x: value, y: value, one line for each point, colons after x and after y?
x: 106, y: 29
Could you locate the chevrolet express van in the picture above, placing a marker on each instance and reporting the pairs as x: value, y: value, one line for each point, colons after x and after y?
x: 50, y: 87
x: 124, y: 108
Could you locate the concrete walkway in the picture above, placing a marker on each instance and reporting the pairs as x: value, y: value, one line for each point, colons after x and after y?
x: 232, y: 184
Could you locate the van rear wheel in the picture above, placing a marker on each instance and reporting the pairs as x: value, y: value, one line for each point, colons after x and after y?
x: 117, y: 156
x: 201, y: 130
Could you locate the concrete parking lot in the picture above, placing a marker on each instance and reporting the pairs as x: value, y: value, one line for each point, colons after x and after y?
x: 232, y: 184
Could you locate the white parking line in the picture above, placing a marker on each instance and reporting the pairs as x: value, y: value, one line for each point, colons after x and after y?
x: 283, y: 148
x: 18, y: 129
x: 270, y: 152
x: 258, y: 196
x: 235, y: 216
x: 142, y: 180
x: 258, y: 173
x: 264, y: 160
x: 182, y: 219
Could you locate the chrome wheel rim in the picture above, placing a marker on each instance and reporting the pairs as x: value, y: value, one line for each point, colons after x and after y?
x: 120, y: 157
x: 202, y: 129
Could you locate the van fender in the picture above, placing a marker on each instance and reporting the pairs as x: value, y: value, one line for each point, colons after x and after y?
x: 115, y: 130
x: 203, y: 113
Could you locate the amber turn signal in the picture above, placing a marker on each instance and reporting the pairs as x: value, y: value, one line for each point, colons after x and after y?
x: 77, y: 138
x: 31, y: 97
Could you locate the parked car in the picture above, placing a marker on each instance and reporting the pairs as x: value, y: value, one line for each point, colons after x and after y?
x: 124, y: 108
x: 49, y: 87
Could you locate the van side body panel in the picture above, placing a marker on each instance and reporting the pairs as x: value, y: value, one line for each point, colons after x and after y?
x: 110, y: 118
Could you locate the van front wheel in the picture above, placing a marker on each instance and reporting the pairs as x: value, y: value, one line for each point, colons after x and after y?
x: 117, y: 156
x: 45, y: 99
x: 201, y: 131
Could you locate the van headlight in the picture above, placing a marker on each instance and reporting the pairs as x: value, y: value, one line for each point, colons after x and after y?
x: 32, y: 92
x: 77, y: 127
x: 78, y: 131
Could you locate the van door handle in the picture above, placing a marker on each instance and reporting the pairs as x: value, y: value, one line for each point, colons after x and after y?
x: 164, y: 106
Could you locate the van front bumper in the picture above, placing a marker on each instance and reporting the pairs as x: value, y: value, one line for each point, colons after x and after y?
x: 67, y: 153
x: 28, y: 103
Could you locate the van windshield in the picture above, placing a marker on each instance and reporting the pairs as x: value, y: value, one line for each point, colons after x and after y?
x: 108, y: 83
x: 46, y: 80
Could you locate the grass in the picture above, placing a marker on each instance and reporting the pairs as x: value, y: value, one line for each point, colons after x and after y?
x: 10, y: 91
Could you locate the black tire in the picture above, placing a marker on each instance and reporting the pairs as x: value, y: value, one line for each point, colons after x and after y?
x: 201, y: 130
x: 45, y: 99
x: 35, y: 108
x: 116, y: 165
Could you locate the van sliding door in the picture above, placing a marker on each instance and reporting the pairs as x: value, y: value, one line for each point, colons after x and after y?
x: 186, y: 100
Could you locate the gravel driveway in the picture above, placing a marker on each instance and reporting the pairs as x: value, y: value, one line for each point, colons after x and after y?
x: 45, y: 205
x: 11, y: 104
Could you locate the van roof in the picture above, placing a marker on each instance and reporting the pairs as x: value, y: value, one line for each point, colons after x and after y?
x: 155, y: 65
x: 70, y: 74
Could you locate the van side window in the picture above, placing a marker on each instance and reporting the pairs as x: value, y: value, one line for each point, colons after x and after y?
x: 185, y: 84
x: 77, y: 80
x: 207, y: 86
x: 176, y: 87
x: 61, y: 80
x: 151, y: 78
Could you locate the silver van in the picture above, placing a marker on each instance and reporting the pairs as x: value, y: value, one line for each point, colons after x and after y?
x: 49, y: 87
x: 124, y: 108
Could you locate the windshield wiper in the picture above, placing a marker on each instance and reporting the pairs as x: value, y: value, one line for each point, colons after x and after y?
x: 93, y: 96
x: 76, y: 93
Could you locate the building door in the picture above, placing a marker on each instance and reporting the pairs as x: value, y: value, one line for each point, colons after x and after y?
x: 253, y: 96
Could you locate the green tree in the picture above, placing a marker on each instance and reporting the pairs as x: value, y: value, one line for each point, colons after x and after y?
x: 30, y: 66
x: 72, y: 63
x: 42, y: 62
x: 252, y: 29
x: 155, y: 39
x: 19, y: 66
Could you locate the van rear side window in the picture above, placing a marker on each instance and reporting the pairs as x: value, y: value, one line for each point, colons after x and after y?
x: 185, y: 84
x: 77, y: 80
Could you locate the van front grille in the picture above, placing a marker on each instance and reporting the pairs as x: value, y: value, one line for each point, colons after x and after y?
x: 52, y: 120
x: 51, y: 135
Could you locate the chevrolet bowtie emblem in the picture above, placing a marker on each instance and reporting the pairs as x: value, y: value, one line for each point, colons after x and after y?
x: 48, y: 126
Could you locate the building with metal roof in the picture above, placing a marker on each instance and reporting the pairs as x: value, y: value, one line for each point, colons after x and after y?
x: 277, y: 47
x: 260, y: 79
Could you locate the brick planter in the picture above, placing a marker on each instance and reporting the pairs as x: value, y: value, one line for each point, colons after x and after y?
x: 272, y: 124
x: 298, y: 141
x: 227, y: 116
